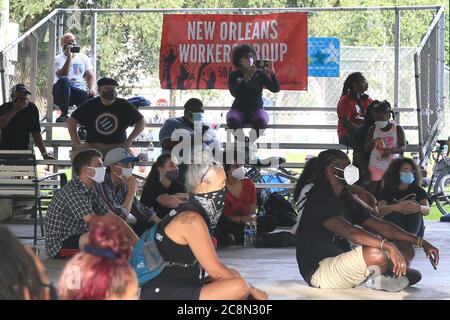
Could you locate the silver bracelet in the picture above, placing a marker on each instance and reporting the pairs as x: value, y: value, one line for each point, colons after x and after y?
x: 382, y: 242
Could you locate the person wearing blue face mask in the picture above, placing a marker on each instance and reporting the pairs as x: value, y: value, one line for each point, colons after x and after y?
x: 402, y: 200
x: 193, y: 115
x: 118, y: 190
x: 163, y: 190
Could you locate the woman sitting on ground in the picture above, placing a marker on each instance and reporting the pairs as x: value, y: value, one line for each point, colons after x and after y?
x: 22, y: 274
x: 402, y: 201
x: 240, y: 208
x: 162, y: 189
x: 101, y: 271
x: 185, y: 238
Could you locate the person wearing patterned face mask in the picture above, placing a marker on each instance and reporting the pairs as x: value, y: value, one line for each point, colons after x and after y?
x: 184, y: 236
x: 118, y: 190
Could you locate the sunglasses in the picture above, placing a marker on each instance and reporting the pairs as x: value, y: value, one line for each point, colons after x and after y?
x: 212, y: 164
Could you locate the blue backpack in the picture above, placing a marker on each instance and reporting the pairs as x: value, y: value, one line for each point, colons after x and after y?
x: 146, y: 259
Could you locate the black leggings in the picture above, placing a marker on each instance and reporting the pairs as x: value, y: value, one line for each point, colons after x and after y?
x: 412, y: 223
x: 227, y: 226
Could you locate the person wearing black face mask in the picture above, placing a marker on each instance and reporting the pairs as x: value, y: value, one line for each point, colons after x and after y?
x: 18, y: 119
x: 162, y: 189
x: 106, y: 119
x: 184, y: 236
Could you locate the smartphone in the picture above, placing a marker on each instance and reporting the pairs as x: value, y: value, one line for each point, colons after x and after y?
x: 433, y: 261
x: 260, y: 64
x: 75, y: 49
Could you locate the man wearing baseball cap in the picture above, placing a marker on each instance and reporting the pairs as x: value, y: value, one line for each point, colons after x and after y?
x: 118, y: 190
x: 19, y: 118
x: 106, y: 119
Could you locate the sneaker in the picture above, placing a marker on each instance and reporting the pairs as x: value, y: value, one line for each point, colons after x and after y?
x: 445, y: 218
x: 388, y: 283
x: 62, y: 118
x: 413, y: 276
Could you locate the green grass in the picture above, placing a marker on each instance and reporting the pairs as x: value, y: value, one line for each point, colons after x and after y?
x: 434, y: 215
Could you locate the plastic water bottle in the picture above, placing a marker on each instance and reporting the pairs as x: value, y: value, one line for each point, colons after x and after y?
x: 151, y: 146
x: 249, y: 236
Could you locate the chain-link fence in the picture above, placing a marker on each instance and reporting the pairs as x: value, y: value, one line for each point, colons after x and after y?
x: 430, y: 78
x: 125, y: 44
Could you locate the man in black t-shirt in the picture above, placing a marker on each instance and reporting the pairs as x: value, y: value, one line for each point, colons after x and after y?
x: 106, y: 119
x: 328, y: 225
x: 18, y: 119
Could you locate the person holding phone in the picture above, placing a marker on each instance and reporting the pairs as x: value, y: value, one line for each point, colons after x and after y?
x: 73, y: 70
x: 246, y: 84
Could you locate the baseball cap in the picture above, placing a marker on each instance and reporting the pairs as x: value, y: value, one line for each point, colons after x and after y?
x: 119, y: 155
x: 20, y: 87
x: 105, y: 81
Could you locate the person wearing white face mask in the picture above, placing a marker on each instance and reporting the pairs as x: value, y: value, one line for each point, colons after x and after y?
x: 332, y: 220
x: 118, y: 190
x: 66, y: 224
x: 385, y: 142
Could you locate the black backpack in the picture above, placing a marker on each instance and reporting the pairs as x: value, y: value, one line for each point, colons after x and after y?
x: 281, y: 209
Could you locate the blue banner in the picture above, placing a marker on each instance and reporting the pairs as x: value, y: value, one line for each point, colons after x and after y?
x: 323, y: 57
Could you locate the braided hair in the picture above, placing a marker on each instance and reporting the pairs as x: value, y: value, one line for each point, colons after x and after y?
x: 18, y: 270
x: 307, y: 176
x: 320, y: 180
x: 383, y: 106
x: 352, y: 78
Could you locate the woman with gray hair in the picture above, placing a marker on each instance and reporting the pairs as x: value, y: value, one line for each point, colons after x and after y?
x: 184, y: 237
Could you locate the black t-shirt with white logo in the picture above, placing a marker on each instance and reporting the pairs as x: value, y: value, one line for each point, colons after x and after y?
x: 107, y: 124
x: 314, y: 241
x: 413, y: 192
x: 16, y: 134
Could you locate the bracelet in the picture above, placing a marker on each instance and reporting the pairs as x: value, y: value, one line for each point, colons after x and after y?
x: 382, y: 242
x: 419, y: 242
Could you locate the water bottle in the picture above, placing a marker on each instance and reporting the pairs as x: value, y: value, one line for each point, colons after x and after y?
x: 151, y: 146
x: 249, y: 236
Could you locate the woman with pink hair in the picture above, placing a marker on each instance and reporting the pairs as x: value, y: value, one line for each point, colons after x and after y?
x: 101, y: 271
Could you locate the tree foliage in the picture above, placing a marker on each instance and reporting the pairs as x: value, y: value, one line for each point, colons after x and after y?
x: 128, y: 44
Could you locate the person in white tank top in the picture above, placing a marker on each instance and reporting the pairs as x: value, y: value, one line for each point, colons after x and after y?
x: 385, y: 142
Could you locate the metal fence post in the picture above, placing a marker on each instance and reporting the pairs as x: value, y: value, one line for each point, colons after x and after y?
x: 34, y: 65
x: 419, y: 108
x: 93, y: 51
x: 2, y: 75
x: 397, y: 62
x: 50, y: 72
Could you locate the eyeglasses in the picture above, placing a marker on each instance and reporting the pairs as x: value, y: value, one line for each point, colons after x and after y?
x: 212, y: 164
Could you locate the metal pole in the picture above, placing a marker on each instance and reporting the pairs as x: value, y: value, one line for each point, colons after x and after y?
x: 419, y: 108
x: 397, y: 61
x: 94, y: 42
x: 50, y: 73
x: 34, y: 65
x: 2, y: 75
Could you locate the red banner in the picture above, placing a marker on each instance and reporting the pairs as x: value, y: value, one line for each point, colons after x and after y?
x: 196, y: 48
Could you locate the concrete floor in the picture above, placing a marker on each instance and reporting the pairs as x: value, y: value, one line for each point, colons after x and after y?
x: 276, y: 271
